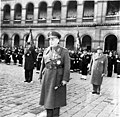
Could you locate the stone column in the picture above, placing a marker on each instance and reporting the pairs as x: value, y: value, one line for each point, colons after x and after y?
x: 49, y: 14
x: 99, y: 11
x: 104, y: 10
x: 63, y: 13
x: 35, y: 15
x: 79, y: 12
x: 95, y: 11
x: 1, y: 18
x: 12, y: 16
x: 23, y: 15
x: 12, y: 41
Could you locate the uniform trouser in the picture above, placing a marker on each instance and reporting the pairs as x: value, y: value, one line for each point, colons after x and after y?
x: 96, y: 88
x: 28, y: 75
x: 53, y: 112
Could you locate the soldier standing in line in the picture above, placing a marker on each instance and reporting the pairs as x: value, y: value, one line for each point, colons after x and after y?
x: 20, y: 55
x: 14, y: 55
x: 98, y: 68
x: 38, y: 60
x: 30, y: 58
x: 8, y: 56
x: 55, y: 73
x: 110, y: 64
x: 85, y: 58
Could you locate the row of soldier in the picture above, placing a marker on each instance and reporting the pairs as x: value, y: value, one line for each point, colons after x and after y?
x: 79, y: 59
x: 6, y: 54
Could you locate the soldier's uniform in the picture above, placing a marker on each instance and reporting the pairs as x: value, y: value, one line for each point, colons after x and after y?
x: 110, y: 65
x: 15, y: 55
x: 38, y: 60
x: 30, y: 58
x: 55, y: 67
x: 85, y: 60
x: 8, y: 56
x: 20, y: 56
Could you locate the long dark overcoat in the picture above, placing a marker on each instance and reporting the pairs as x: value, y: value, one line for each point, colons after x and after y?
x: 98, y: 66
x: 30, y: 58
x: 50, y: 97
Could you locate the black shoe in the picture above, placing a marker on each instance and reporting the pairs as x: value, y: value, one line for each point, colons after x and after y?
x: 98, y: 93
x: 94, y: 92
x: 25, y: 81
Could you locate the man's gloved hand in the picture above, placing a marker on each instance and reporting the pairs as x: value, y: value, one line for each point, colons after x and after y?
x: 64, y: 82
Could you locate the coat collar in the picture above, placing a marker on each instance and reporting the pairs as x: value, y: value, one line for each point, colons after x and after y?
x: 57, y: 49
x: 98, y: 57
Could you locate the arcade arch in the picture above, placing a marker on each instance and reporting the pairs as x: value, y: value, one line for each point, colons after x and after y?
x: 86, y: 42
x: 70, y: 42
x: 110, y: 43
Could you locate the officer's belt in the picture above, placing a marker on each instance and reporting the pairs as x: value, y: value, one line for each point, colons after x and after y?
x: 49, y: 66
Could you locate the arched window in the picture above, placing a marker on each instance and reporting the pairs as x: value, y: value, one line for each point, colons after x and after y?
x: 111, y: 43
x: 56, y: 12
x: 113, y: 10
x: 88, y: 12
x: 16, y: 40
x: 6, y: 16
x: 18, y: 11
x: 86, y: 42
x: 41, y: 41
x: 70, y: 42
x: 29, y: 13
x: 5, y: 40
x: 42, y: 14
x: 72, y: 11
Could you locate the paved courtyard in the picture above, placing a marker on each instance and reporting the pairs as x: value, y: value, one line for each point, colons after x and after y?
x: 19, y: 99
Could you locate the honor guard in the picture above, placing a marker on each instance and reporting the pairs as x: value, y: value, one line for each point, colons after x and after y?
x: 8, y: 56
x: 20, y: 55
x: 85, y: 60
x: 110, y: 64
x: 15, y: 55
x: 39, y: 58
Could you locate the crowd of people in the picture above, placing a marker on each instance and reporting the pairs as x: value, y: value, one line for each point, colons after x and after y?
x: 79, y: 60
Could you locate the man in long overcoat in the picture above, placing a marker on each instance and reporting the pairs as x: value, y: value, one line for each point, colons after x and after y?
x: 98, y: 68
x: 30, y: 58
x: 54, y: 72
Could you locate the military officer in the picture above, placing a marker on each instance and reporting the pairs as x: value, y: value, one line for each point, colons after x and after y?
x: 54, y: 72
x: 30, y: 58
x: 98, y: 68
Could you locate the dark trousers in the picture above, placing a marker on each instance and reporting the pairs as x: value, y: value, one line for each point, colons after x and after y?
x: 28, y: 75
x: 96, y: 88
x: 53, y: 112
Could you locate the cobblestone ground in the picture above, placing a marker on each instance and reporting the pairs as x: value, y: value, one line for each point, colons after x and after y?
x: 19, y: 99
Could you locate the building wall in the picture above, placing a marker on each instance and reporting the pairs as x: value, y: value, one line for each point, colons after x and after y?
x: 98, y: 29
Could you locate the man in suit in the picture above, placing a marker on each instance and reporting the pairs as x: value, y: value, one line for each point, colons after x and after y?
x: 54, y: 72
x: 30, y: 58
x: 98, y: 68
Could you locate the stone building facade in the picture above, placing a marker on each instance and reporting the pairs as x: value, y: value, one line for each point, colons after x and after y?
x: 95, y: 22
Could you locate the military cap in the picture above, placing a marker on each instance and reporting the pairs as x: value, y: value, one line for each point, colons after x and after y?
x: 84, y: 49
x: 54, y: 34
x: 99, y: 48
